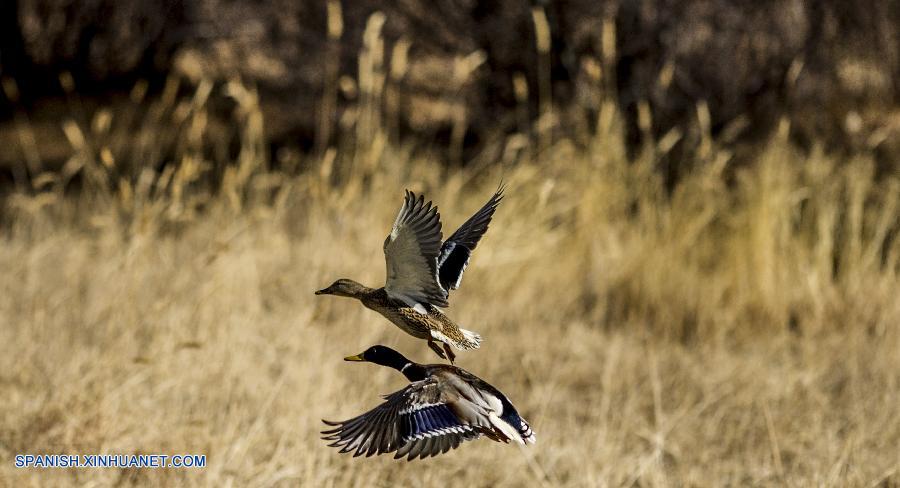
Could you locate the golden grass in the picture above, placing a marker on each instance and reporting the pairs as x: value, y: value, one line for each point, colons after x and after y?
x: 740, y: 331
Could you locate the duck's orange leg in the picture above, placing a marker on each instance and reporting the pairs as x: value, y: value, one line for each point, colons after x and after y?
x: 450, y: 355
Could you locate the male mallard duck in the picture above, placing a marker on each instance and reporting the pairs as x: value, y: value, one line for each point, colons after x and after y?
x: 421, y: 271
x: 442, y: 407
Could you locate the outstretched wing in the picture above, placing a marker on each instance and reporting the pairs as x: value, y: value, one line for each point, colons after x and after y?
x: 415, y: 422
x: 411, y: 251
x: 457, y: 249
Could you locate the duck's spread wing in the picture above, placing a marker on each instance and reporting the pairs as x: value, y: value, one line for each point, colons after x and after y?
x: 415, y: 422
x: 456, y: 250
x: 411, y: 251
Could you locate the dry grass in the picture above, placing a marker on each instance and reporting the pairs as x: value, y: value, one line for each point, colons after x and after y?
x: 739, y: 333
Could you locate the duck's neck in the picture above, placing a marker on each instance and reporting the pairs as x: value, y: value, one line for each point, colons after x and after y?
x: 373, y: 298
x: 413, y: 371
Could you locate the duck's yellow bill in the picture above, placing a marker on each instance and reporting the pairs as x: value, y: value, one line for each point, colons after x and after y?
x: 357, y: 357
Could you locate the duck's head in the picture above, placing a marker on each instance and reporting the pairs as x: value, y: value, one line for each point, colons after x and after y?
x: 382, y: 355
x: 344, y: 288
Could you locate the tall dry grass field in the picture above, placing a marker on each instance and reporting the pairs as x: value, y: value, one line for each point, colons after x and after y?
x: 743, y: 329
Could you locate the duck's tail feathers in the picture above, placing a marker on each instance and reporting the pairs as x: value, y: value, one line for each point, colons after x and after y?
x: 527, y: 434
x: 472, y: 340
x: 522, y: 435
x: 504, y: 431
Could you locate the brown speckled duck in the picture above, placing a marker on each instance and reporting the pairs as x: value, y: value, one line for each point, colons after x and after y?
x: 421, y: 270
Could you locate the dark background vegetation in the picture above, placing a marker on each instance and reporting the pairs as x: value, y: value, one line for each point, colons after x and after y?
x: 830, y: 67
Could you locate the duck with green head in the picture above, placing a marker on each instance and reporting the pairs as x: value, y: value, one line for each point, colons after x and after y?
x: 442, y: 407
x: 421, y: 270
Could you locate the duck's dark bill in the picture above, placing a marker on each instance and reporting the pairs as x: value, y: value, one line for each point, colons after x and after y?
x: 358, y: 357
x: 322, y: 291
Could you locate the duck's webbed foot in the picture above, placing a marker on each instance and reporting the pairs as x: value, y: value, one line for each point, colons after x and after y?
x: 450, y: 355
x: 434, y: 347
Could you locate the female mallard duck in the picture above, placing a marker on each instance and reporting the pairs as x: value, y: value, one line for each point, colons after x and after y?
x: 421, y: 271
x: 442, y: 407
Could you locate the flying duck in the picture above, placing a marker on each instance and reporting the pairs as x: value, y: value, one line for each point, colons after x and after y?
x: 441, y: 408
x: 421, y: 271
